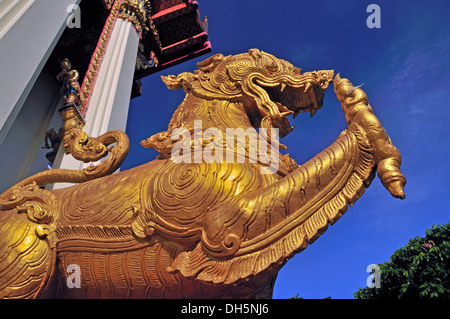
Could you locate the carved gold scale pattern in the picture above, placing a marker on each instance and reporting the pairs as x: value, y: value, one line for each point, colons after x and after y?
x: 194, y: 230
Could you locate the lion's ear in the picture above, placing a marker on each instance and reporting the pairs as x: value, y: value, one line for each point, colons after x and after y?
x: 177, y: 82
x: 210, y: 63
x: 171, y: 82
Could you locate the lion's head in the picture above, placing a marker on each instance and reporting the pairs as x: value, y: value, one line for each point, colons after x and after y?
x: 270, y: 88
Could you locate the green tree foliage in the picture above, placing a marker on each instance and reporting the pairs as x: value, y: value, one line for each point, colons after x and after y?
x: 297, y: 296
x: 420, y: 269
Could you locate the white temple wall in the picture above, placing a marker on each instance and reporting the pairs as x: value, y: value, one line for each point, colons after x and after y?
x: 29, y: 31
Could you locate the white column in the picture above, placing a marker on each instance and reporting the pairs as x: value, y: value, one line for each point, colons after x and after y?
x: 109, y: 102
x: 110, y: 98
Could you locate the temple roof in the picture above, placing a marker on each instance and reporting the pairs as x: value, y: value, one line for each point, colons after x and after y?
x: 175, y: 34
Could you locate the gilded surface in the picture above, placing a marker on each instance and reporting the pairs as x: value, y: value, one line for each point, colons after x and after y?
x: 200, y: 228
x: 71, y: 88
x: 135, y: 11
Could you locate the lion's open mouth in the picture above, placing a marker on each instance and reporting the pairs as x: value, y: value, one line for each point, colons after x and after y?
x: 298, y: 94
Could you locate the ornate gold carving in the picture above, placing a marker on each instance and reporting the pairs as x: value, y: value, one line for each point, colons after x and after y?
x: 89, y: 149
x: 71, y: 88
x: 27, y: 244
x: 357, y: 109
x: 86, y: 149
x: 81, y: 147
x: 203, y: 229
x: 72, y: 119
x: 153, y: 29
x: 41, y: 206
x: 89, y: 79
x: 108, y: 4
x: 135, y: 11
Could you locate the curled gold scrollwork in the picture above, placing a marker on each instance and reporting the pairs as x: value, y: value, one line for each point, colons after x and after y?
x: 38, y: 204
x: 87, y: 150
x: 82, y: 147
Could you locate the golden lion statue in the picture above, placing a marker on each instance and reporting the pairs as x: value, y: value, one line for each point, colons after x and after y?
x: 187, y: 225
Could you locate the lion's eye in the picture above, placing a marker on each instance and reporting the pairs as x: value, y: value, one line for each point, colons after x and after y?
x: 270, y: 65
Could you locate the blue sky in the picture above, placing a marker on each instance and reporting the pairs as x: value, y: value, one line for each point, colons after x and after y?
x: 404, y: 66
